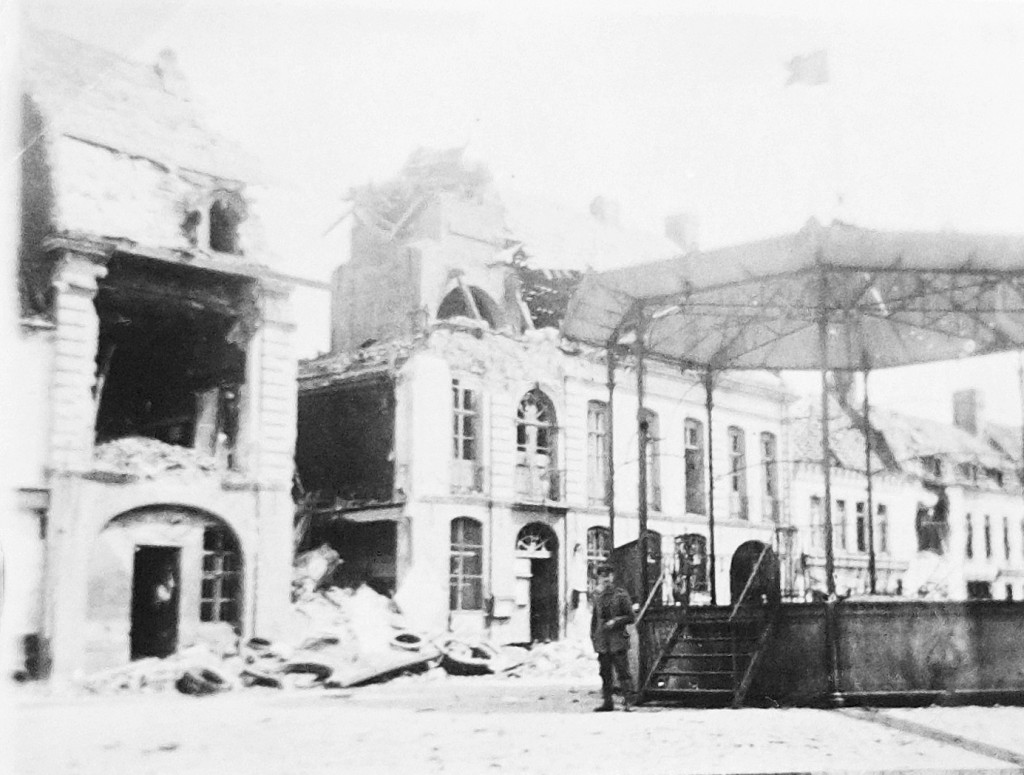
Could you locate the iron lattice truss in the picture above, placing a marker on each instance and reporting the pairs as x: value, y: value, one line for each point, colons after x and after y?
x: 874, y: 299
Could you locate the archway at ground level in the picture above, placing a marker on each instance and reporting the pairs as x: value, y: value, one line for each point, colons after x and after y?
x: 764, y: 586
x: 160, y: 576
x: 537, y: 547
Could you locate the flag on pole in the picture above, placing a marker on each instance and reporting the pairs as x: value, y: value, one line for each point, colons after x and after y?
x: 810, y: 69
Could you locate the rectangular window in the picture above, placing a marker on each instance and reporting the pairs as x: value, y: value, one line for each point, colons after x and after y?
x: 693, y: 432
x: 737, y: 473
x: 862, y: 527
x: 882, y: 528
x: 840, y: 525
x: 466, y: 470
x: 220, y: 587
x: 968, y: 537
x: 770, y: 477
x: 464, y: 413
x: 597, y: 452
x: 466, y: 572
x: 988, y: 537
x: 653, y: 460
x: 816, y: 524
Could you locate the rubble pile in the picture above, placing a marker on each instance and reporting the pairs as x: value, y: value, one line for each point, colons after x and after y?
x: 149, y: 458
x: 564, y: 658
x: 338, y: 637
x: 155, y: 675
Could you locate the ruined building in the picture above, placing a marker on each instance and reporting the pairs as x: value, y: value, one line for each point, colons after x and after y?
x: 158, y: 403
x: 947, y: 517
x: 454, y: 448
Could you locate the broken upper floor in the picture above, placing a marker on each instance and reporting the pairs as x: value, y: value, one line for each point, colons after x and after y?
x: 143, y: 280
x: 438, y: 242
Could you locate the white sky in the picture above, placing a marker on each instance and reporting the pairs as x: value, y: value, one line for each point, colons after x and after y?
x: 663, y: 106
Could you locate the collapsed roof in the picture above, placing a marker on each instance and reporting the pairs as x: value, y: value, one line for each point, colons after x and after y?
x: 116, y: 157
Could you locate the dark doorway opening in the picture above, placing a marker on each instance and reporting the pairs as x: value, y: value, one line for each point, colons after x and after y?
x: 539, y: 543
x: 764, y: 587
x: 156, y: 580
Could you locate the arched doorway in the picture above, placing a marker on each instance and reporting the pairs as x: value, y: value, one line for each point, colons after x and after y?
x: 161, y: 576
x: 765, y: 585
x: 537, y: 547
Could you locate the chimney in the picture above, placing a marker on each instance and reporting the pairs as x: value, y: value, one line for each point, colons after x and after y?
x: 681, y: 228
x: 605, y: 210
x: 171, y: 78
x: 968, y: 411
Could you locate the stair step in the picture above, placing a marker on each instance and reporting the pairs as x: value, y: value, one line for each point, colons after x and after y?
x: 704, y: 655
x: 717, y: 638
x: 693, y: 672
x: 690, y: 692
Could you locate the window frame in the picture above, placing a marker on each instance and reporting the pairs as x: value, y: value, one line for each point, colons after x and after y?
x: 694, y: 468
x: 598, y: 452
x: 653, y: 458
x: 738, y: 504
x: 968, y: 537
x: 461, y: 549
x: 542, y: 482
x: 599, y: 541
x: 770, y: 490
x: 222, y: 571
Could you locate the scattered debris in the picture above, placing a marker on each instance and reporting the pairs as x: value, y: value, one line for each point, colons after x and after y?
x: 149, y: 458
x: 339, y: 638
x: 311, y: 569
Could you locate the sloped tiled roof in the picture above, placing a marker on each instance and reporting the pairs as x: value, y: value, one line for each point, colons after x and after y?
x: 1006, y: 438
x: 910, y: 438
x: 97, y: 96
x: 847, y: 441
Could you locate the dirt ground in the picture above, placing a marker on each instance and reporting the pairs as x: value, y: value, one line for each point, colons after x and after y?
x: 478, y: 725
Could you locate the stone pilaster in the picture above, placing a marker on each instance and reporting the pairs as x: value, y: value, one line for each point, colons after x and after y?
x: 269, y: 420
x: 270, y: 394
x: 73, y: 411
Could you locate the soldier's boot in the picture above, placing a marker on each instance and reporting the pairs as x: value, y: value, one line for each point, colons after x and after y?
x: 605, y: 706
x: 628, y: 700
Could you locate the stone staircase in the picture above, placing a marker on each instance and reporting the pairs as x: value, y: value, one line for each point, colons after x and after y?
x: 711, y: 657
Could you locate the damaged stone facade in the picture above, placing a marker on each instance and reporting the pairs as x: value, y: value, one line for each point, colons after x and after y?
x: 156, y: 492
x: 448, y: 371
x: 948, y: 513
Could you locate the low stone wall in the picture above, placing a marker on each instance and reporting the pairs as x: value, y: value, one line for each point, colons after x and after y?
x: 886, y: 652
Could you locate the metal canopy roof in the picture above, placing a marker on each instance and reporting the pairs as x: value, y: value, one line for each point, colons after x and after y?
x: 881, y: 298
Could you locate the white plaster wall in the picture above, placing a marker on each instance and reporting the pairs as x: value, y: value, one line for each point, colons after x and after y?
x: 997, y: 569
x: 31, y: 422
x: 898, y: 494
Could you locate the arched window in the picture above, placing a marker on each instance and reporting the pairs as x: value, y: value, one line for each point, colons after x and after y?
x: 599, y: 546
x: 466, y: 573
x: 222, y: 573
x: 537, y: 476
x: 469, y: 302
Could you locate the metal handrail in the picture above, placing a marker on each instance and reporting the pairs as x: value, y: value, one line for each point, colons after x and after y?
x: 650, y: 597
x: 750, y: 580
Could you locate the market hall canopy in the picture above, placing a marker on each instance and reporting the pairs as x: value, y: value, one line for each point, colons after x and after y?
x: 837, y: 297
